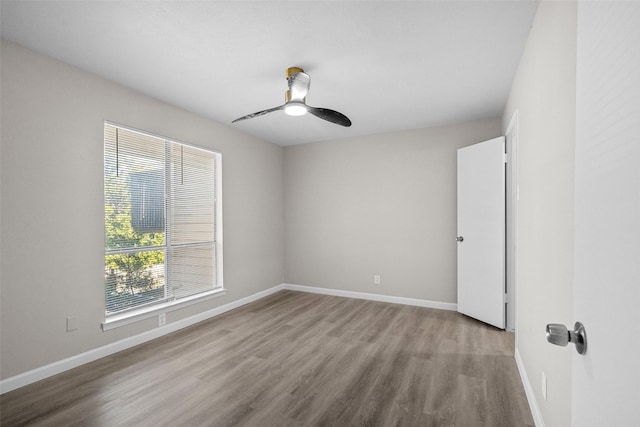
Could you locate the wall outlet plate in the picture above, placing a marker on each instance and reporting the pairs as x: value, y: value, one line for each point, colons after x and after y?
x: 162, y: 319
x: 376, y: 279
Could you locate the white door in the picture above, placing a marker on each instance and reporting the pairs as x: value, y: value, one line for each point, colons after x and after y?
x: 481, y: 231
x: 606, y: 380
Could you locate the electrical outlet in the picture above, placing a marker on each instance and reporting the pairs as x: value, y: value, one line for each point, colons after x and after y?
x: 162, y: 319
x: 544, y: 386
x: 376, y: 279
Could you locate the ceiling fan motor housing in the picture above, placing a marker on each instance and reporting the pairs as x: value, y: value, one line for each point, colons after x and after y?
x: 292, y: 70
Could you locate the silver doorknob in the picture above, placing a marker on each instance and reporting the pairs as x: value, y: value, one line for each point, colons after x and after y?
x: 459, y: 239
x: 559, y: 335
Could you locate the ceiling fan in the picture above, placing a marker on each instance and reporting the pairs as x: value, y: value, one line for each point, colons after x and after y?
x: 295, y: 98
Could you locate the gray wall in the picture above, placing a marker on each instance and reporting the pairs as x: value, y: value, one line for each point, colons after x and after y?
x: 381, y: 204
x: 544, y: 94
x: 53, y: 208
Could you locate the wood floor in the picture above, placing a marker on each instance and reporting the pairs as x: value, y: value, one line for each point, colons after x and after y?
x: 294, y: 359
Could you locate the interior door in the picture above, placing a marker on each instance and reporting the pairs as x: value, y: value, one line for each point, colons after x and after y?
x: 606, y: 380
x: 481, y: 231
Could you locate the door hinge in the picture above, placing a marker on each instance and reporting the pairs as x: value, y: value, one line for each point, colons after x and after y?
x: 505, y: 158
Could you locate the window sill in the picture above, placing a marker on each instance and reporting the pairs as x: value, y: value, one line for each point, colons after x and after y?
x: 118, y: 320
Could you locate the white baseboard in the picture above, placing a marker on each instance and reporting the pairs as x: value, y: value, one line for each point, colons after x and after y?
x: 55, y: 368
x: 60, y: 366
x: 531, y: 397
x: 373, y: 297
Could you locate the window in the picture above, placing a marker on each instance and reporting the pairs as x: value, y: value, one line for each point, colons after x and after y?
x: 162, y: 222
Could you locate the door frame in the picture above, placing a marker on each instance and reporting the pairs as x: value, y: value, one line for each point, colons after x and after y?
x: 511, y: 224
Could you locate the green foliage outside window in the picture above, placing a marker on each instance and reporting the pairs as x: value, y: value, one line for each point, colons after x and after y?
x: 131, y: 279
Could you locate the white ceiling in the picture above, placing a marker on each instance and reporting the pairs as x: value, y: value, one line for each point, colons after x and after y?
x: 388, y: 66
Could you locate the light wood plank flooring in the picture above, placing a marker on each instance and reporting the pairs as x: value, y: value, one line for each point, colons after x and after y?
x: 294, y: 359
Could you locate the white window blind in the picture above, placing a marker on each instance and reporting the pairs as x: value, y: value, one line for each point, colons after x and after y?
x: 160, y: 220
x: 193, y: 220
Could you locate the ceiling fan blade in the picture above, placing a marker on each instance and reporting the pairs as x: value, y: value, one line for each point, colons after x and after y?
x: 299, y: 86
x: 330, y: 116
x: 259, y: 113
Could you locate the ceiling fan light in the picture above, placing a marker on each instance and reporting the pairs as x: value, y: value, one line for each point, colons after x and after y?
x: 295, y: 109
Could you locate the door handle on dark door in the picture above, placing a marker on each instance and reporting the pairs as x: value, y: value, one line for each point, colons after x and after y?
x: 459, y: 239
x: 559, y: 335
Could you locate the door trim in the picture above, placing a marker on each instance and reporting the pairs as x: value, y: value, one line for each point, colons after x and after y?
x: 511, y: 224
